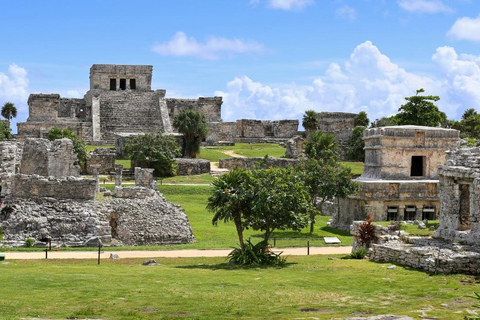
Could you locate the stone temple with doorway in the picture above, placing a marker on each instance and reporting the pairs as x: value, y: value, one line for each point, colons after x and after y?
x: 400, y: 180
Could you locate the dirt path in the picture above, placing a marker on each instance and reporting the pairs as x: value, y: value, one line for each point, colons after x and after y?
x: 232, y: 154
x: 105, y: 254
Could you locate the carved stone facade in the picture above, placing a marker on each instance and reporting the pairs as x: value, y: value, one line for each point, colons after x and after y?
x: 400, y: 178
x: 120, y: 100
x: 460, y: 197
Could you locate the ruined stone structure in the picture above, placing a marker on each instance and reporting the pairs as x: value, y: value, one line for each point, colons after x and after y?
x: 47, y: 200
x: 120, y: 100
x: 252, y: 131
x: 460, y: 197
x: 340, y: 125
x: 252, y: 163
x: 104, y: 158
x: 400, y: 178
x: 187, y: 167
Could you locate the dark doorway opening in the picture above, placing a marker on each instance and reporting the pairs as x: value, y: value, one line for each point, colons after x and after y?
x: 123, y: 84
x: 464, y: 210
x: 392, y: 213
x: 428, y: 213
x: 410, y: 212
x: 417, y: 166
x: 133, y: 84
x: 113, y: 84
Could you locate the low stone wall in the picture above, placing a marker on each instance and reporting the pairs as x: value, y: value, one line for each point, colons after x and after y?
x: 429, y: 255
x: 133, y: 192
x: 251, y: 163
x: 192, y: 166
x: 34, y: 186
x: 102, y: 157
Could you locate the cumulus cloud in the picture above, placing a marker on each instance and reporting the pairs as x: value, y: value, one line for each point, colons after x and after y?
x: 13, y: 88
x: 367, y: 81
x: 213, y: 48
x: 346, y: 12
x: 289, y: 4
x: 424, y: 6
x: 466, y: 29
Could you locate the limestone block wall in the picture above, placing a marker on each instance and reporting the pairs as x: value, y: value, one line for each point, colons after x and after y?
x: 192, y: 166
x: 49, y: 158
x: 25, y: 186
x: 136, y: 192
x: 251, y: 163
x: 144, y: 178
x: 104, y: 157
x: 10, y: 156
x: 43, y: 107
x: 100, y: 75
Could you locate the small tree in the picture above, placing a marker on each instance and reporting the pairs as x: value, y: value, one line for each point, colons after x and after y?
x: 193, y: 125
x: 155, y: 151
x: 278, y: 201
x: 229, y: 200
x: 361, y: 119
x: 5, y: 131
x: 325, y: 181
x: 469, y: 125
x: 310, y: 121
x: 421, y: 111
x: 384, y: 122
x: 9, y: 111
x: 78, y: 144
x: 321, y: 146
x: 356, y: 144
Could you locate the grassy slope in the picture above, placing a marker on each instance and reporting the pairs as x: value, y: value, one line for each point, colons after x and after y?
x: 205, y: 288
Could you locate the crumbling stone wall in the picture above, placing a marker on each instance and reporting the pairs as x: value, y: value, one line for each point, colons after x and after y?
x: 102, y: 157
x: 10, y: 156
x: 49, y: 158
x: 144, y: 178
x: 460, y: 196
x: 340, y: 125
x: 192, y: 166
x: 252, y: 163
x: 294, y: 148
x: 251, y: 131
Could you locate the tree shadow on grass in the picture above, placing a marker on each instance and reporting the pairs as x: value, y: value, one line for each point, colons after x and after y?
x: 227, y: 266
x: 289, y: 235
x: 336, y: 231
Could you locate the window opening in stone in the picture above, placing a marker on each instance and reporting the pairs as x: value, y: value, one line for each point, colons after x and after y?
x: 417, y: 166
x: 428, y: 213
x: 133, y: 84
x: 123, y: 84
x: 113, y: 84
x: 392, y: 213
x: 114, y: 224
x: 410, y: 211
x: 464, y: 210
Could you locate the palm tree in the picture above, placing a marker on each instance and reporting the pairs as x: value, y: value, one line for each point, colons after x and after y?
x: 228, y: 200
x: 9, y: 111
x: 193, y: 125
x: 310, y: 121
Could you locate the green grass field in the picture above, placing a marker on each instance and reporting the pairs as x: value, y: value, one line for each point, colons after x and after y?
x: 309, y: 287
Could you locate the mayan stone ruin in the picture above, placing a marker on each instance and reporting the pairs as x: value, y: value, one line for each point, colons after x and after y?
x: 400, y: 178
x: 45, y: 199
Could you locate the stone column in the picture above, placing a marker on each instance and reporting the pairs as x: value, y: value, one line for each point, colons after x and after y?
x: 118, y: 175
x: 96, y: 118
x: 96, y: 176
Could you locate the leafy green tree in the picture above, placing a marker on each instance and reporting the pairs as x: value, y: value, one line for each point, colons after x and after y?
x: 9, y: 111
x: 321, y: 145
x: 356, y: 144
x: 325, y: 181
x: 469, y: 125
x: 229, y: 200
x: 193, y: 125
x: 78, y: 144
x: 361, y: 119
x: 155, y: 151
x: 384, y: 122
x: 278, y: 201
x: 421, y: 111
x: 5, y: 131
x: 310, y: 121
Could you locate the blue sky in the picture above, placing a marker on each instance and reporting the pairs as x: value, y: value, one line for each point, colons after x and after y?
x: 269, y: 59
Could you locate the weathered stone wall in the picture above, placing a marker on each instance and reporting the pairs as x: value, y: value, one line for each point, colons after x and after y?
x: 144, y: 178
x: 26, y: 186
x: 252, y: 131
x: 103, y: 157
x: 100, y: 75
x: 192, y: 166
x: 136, y: 192
x: 49, y: 158
x: 10, y: 156
x: 83, y: 130
x: 389, y: 151
x: 294, y: 148
x: 340, y: 125
x: 251, y: 163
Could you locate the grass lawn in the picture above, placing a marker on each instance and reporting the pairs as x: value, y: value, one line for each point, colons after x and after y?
x: 250, y: 150
x: 356, y: 167
x: 90, y: 147
x: 309, y: 287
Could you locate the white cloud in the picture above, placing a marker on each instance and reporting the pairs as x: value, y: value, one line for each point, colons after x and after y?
x: 367, y: 81
x: 346, y: 12
x: 13, y: 88
x: 212, y: 49
x: 289, y: 4
x: 424, y: 6
x: 466, y: 29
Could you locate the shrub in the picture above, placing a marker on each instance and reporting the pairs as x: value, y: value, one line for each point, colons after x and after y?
x: 359, y: 253
x: 258, y: 254
x: 366, y: 232
x: 395, y: 226
x: 29, y: 242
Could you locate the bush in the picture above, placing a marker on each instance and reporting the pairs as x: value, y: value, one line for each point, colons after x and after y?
x: 29, y: 242
x: 258, y: 254
x: 367, y: 232
x: 359, y: 253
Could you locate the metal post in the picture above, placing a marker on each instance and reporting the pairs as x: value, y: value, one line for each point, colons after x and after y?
x: 274, y: 241
x: 308, y: 248
x: 46, y: 253
x: 99, y: 246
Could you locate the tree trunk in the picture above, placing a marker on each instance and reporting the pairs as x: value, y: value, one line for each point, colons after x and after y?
x: 238, y: 224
